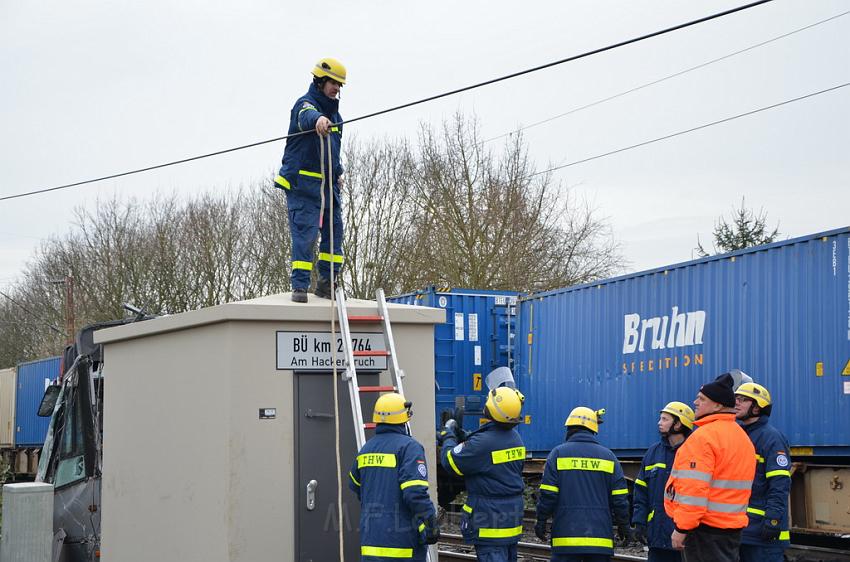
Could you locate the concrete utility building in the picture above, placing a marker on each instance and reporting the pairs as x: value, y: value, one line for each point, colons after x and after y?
x: 216, y: 420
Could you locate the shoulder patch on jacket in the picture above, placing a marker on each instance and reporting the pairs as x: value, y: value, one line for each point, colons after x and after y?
x: 782, y: 460
x: 308, y: 105
x: 423, y: 471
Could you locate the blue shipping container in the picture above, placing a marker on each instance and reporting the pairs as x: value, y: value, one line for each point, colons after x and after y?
x: 780, y: 313
x: 475, y: 339
x: 33, y: 378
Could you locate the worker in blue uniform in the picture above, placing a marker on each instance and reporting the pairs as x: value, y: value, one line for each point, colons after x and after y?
x: 490, y: 460
x: 390, y: 478
x: 582, y: 487
x: 766, y: 536
x: 652, y: 526
x: 307, y: 191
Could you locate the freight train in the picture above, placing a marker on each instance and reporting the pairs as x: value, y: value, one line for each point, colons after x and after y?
x: 779, y: 312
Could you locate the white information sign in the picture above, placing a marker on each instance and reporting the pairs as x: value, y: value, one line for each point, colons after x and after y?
x: 311, y: 351
x: 847, y: 387
x: 478, y: 355
x: 459, y: 326
x: 473, y: 326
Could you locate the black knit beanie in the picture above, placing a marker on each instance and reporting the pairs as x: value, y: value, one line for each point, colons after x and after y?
x: 720, y: 390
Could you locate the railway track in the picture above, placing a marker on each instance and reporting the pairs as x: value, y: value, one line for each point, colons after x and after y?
x: 452, y: 548
x: 526, y: 551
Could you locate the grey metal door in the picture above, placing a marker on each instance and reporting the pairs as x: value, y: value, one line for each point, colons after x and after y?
x: 317, y: 529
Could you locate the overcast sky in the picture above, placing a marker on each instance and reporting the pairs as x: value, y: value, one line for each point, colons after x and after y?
x: 90, y: 88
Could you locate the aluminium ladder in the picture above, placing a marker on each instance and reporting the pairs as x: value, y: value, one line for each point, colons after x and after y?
x: 350, y: 375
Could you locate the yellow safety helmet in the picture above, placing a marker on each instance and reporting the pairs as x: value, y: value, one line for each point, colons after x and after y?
x: 392, y: 408
x: 582, y: 416
x: 330, y: 68
x: 504, y: 404
x: 682, y: 411
x: 755, y: 391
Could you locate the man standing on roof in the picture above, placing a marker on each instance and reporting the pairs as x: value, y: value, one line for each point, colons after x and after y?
x: 708, y: 490
x: 766, y: 537
x: 316, y: 115
x: 582, y: 487
x: 652, y: 525
x: 490, y: 460
x: 390, y: 479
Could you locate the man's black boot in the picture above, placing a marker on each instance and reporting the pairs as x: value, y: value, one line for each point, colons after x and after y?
x: 323, y: 288
x: 299, y: 295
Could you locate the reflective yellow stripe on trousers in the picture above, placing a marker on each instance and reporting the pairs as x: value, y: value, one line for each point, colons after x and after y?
x: 328, y: 257
x: 386, y: 552
x: 281, y: 181
x: 582, y: 541
x: 486, y: 533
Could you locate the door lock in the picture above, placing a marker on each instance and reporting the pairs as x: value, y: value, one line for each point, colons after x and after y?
x: 311, y: 495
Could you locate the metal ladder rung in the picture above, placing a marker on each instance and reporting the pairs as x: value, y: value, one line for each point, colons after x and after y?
x: 374, y: 318
x: 377, y: 389
x: 378, y: 353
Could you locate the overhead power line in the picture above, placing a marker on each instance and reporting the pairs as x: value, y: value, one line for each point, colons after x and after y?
x: 405, y: 105
x: 665, y: 78
x: 33, y: 314
x: 691, y: 130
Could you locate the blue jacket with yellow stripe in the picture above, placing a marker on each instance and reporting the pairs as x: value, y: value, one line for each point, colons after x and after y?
x: 768, y: 505
x: 302, y: 155
x: 582, y: 485
x: 390, y: 478
x: 490, y: 461
x: 649, y: 494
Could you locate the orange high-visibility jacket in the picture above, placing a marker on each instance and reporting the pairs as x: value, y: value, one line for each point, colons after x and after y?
x: 712, y: 476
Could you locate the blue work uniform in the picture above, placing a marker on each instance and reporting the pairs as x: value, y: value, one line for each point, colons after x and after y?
x: 390, y: 479
x: 768, y: 507
x: 649, y: 501
x: 583, y: 484
x: 300, y: 177
x: 490, y: 460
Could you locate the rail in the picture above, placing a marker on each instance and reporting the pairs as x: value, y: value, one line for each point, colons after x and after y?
x: 529, y: 551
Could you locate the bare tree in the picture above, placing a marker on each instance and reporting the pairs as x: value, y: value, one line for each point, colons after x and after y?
x: 492, y: 222
x: 744, y: 229
x: 380, y: 216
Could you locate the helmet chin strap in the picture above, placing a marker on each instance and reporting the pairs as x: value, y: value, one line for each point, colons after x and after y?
x: 750, y: 415
x: 673, y: 430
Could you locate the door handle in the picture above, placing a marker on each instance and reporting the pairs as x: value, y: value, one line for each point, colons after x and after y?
x: 311, y: 494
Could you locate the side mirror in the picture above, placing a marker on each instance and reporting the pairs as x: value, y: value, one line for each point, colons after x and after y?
x: 48, y: 401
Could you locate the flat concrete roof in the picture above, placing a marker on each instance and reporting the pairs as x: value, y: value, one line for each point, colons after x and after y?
x: 273, y: 308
